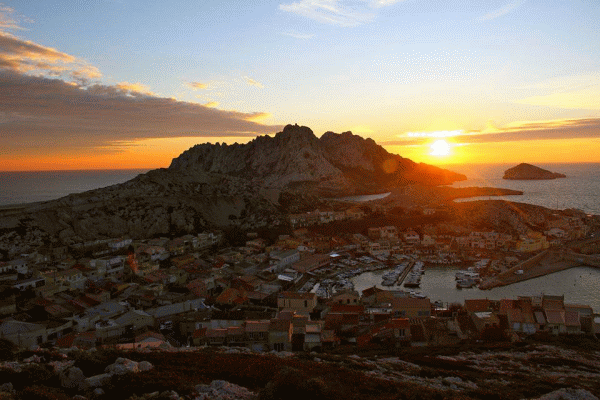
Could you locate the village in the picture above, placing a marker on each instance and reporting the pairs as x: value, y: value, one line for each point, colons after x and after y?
x: 293, y: 293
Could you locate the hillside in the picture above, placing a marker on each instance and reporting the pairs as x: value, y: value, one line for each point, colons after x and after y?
x: 488, y: 371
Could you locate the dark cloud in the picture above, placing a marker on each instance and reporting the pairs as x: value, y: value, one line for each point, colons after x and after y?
x: 52, y: 113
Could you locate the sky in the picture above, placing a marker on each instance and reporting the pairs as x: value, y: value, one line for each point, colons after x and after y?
x: 110, y: 84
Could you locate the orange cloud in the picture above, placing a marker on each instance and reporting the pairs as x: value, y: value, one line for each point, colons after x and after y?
x: 134, y: 88
x: 519, y: 131
x: 25, y: 56
x: 197, y: 85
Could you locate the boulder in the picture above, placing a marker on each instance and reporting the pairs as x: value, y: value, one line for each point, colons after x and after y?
x: 568, y: 394
x: 72, y: 378
x: 145, y: 366
x: 122, y: 366
x: 223, y: 390
x: 97, y: 380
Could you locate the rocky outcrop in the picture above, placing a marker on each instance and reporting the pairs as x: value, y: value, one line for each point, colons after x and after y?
x: 334, y: 165
x: 530, y: 172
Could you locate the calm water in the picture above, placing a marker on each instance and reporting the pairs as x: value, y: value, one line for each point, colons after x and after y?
x: 579, y: 285
x: 28, y: 187
x: 580, y: 189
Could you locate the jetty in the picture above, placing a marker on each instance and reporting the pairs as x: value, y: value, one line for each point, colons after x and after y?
x: 544, y: 263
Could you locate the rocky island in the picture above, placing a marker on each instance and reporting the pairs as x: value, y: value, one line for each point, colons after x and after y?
x: 525, y: 171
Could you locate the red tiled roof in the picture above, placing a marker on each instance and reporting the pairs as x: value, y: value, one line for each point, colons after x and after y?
x: 572, y: 318
x: 477, y: 305
x: 296, y: 295
x: 555, y: 316
x: 346, y: 308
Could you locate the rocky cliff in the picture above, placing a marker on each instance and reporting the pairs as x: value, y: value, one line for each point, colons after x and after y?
x: 530, y: 172
x: 334, y: 165
x: 217, y: 185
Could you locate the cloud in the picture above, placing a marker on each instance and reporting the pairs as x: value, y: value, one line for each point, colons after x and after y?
x: 586, y: 128
x: 8, y: 18
x: 252, y: 82
x: 39, y: 113
x: 197, y: 85
x: 334, y: 12
x: 568, y: 92
x: 212, y: 104
x: 299, y: 35
x: 501, y: 11
x: 384, y: 3
x: 134, y: 88
x: 25, y: 56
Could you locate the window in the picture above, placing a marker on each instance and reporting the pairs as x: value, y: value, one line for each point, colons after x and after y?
x: 305, y: 303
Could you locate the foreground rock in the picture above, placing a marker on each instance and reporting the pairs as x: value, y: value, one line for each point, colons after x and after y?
x: 530, y: 172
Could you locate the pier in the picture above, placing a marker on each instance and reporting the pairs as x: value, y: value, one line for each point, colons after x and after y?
x: 541, y: 264
x: 404, y: 273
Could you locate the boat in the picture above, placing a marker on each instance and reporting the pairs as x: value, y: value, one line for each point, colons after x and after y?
x: 465, y: 283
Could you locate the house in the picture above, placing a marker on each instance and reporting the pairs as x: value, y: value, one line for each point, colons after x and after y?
x: 484, y: 320
x: 257, y: 334
x: 408, y: 307
x: 344, y: 316
x: 137, y: 319
x: 23, y: 334
x: 555, y: 321
x: 231, y: 296
x: 346, y: 297
x: 477, y: 305
x: 573, y: 322
x: 312, y: 336
x: 299, y: 302
x: 280, y: 335
x: 394, y: 331
x: 282, y: 259
x: 311, y: 263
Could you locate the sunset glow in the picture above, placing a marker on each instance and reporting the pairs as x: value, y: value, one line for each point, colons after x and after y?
x: 126, y: 85
x: 440, y: 148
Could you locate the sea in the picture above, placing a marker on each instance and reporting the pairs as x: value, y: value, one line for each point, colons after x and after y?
x: 37, y: 186
x: 579, y: 190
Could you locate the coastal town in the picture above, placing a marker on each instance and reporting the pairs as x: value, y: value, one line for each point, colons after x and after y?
x: 293, y: 293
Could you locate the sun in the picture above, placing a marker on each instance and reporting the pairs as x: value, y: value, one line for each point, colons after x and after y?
x: 440, y: 148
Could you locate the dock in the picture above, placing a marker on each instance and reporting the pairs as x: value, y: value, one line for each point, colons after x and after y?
x: 404, y: 273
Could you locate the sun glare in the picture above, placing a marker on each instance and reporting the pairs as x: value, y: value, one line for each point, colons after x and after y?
x: 440, y: 148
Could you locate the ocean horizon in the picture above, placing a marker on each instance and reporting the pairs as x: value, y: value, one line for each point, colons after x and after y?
x: 579, y: 190
x: 20, y: 187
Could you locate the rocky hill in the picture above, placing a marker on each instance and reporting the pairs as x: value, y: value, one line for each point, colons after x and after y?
x: 333, y: 165
x: 525, y: 171
x: 218, y: 185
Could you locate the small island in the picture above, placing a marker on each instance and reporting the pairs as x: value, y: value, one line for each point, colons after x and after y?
x: 530, y: 172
